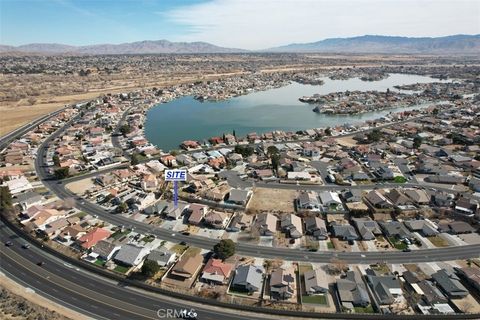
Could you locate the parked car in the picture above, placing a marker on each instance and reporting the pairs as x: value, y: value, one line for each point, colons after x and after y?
x: 25, y: 246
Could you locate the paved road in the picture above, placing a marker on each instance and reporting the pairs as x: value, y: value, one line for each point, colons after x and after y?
x: 88, y: 293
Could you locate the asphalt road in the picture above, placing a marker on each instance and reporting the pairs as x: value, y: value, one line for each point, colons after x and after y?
x: 88, y: 293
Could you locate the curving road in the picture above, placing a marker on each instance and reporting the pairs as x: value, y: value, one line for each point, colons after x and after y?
x: 88, y: 293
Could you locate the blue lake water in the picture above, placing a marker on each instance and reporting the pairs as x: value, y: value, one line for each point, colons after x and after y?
x: 168, y: 124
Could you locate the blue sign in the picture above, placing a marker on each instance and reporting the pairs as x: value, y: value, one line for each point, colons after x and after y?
x: 176, y: 175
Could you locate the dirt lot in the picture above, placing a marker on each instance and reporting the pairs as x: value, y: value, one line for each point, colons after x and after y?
x: 347, y: 141
x: 18, y: 303
x: 79, y: 187
x: 274, y: 200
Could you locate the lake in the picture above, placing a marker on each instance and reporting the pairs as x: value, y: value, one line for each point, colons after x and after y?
x: 168, y: 124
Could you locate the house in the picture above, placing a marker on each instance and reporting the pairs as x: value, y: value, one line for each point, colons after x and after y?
x: 105, y: 250
x: 187, y: 267
x: 302, y: 175
x: 162, y: 257
x: 217, y: 219
x: 18, y: 185
x: 266, y: 224
x: 367, y: 228
x: 398, y: 199
x: 315, y: 226
x: 240, y: 222
x: 173, y: 212
x: 430, y: 293
x: 92, y: 237
x: 239, y: 196
x: 352, y: 292
x: 456, y: 227
x: 282, y: 283
x: 292, y: 225
x: 418, y: 196
x: 450, y: 284
x: 425, y: 227
x: 466, y: 206
x: 352, y: 195
x: 330, y: 201
x: 131, y: 255
x: 395, y: 229
x: 344, y: 232
x: 197, y: 213
x: 471, y: 276
x: 248, y: 278
x: 377, y: 200
x: 216, y: 271
x: 52, y: 229
x: 316, y: 281
x: 308, y: 200
x: 385, y: 288
x: 27, y: 199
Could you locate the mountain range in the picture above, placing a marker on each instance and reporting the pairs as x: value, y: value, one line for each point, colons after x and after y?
x: 455, y: 44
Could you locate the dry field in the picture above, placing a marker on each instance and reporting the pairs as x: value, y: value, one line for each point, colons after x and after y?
x: 274, y: 200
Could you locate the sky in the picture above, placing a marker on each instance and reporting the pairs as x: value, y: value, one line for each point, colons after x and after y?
x: 246, y: 24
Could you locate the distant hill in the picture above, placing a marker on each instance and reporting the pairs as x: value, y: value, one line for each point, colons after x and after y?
x: 140, y: 47
x: 463, y: 44
x: 456, y: 44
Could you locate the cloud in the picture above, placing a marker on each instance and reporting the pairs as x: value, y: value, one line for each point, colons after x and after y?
x: 258, y: 24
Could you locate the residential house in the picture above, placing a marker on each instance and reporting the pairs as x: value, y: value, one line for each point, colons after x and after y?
x: 352, y: 292
x: 266, y: 224
x: 217, y: 219
x: 238, y: 196
x: 105, y: 249
x: 316, y: 281
x: 91, y: 238
x: 131, y: 255
x: 385, y: 288
x: 344, y: 232
x: 292, y: 225
x: 456, y: 227
x: 395, y: 229
x: 330, y: 201
x: 282, y: 283
x: 308, y: 200
x: 240, y: 222
x: 163, y: 257
x: 376, y: 200
x: 471, y: 275
x: 367, y: 228
x: 450, y: 284
x: 425, y: 227
x: 187, y: 267
x: 248, y: 278
x: 216, y: 271
x: 197, y: 213
x: 315, y: 227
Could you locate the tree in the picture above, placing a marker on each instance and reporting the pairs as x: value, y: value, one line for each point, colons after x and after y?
x: 328, y: 131
x: 135, y: 159
x: 374, y: 136
x: 272, y: 150
x: 125, y: 129
x: 245, y: 151
x: 417, y: 141
x: 150, y: 268
x: 61, y: 173
x: 275, y: 159
x: 224, y: 249
x: 56, y: 160
x: 5, y: 199
x: 122, y: 207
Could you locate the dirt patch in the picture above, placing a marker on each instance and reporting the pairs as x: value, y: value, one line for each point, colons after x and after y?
x: 79, y: 187
x: 16, y: 302
x: 273, y: 200
x: 347, y: 141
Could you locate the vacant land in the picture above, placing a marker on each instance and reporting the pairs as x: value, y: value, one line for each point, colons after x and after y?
x: 16, y: 302
x: 274, y: 200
